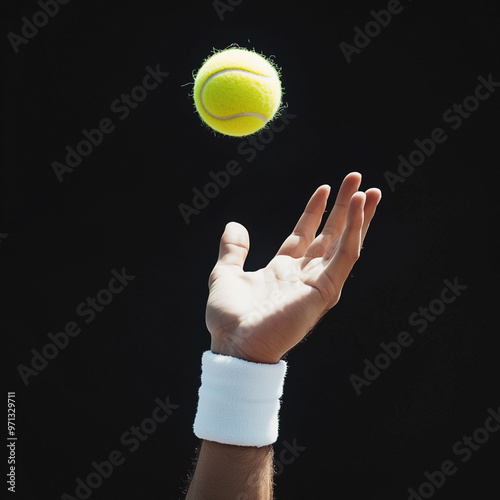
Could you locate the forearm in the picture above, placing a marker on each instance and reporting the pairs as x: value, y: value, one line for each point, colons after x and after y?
x: 227, y: 472
x: 237, y: 420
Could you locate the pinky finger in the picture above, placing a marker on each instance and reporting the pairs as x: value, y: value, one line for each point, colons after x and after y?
x: 373, y: 197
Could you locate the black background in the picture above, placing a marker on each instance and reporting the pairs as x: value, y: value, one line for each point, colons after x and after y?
x: 119, y: 208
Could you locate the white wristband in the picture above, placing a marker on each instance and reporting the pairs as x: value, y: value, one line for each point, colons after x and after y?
x: 239, y: 400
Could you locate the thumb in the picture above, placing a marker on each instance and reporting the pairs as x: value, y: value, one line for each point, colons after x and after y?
x: 234, y: 245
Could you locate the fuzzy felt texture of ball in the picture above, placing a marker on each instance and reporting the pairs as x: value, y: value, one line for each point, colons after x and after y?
x: 237, y: 92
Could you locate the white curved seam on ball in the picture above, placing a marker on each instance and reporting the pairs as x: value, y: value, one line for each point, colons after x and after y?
x: 236, y: 115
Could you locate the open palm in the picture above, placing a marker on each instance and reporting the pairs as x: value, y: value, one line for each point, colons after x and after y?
x: 259, y: 316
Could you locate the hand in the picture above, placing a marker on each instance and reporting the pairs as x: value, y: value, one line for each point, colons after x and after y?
x: 259, y: 316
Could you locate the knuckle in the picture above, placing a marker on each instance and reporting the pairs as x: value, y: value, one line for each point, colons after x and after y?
x: 352, y: 253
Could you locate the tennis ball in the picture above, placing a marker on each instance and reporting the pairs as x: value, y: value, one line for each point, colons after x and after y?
x: 236, y: 92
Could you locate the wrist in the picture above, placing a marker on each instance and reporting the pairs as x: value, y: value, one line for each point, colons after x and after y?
x: 218, y: 347
x: 239, y: 401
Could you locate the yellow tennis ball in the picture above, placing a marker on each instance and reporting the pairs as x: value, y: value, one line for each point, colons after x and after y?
x: 236, y: 92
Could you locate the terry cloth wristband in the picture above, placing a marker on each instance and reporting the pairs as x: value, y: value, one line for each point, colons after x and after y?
x: 239, y: 400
